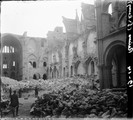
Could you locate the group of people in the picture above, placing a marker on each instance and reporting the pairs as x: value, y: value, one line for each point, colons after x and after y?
x: 14, y: 100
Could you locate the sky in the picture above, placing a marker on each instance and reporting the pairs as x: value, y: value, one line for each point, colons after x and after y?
x: 37, y: 17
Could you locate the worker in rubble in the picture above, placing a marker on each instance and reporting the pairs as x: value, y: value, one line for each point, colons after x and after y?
x: 14, y: 104
x: 10, y: 92
x: 20, y: 92
x: 36, y: 91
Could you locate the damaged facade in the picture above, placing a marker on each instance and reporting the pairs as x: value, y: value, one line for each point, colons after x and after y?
x: 94, y: 46
x: 23, y: 57
x: 76, y: 52
x: 111, y: 37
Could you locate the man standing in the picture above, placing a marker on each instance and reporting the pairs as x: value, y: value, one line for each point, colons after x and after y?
x: 20, y: 92
x: 36, y: 91
x: 10, y: 92
x: 14, y: 104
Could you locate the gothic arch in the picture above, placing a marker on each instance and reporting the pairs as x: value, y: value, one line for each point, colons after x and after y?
x: 32, y: 56
x: 106, y: 5
x: 90, y: 66
x: 32, y: 59
x: 109, y: 48
x: 121, y: 18
x: 44, y: 76
x: 115, y: 64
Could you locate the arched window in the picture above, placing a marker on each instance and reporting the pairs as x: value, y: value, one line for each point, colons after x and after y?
x: 13, y: 63
x: 7, y: 49
x: 122, y: 20
x: 13, y: 49
x: 110, y: 9
x: 44, y: 76
x: 44, y: 64
x: 34, y: 76
x: 34, y: 64
x: 4, y: 66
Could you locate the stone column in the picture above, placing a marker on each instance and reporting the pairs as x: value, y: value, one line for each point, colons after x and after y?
x: 101, y: 78
x: 84, y: 45
x: 67, y: 58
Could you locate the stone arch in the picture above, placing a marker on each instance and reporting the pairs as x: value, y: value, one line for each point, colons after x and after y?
x: 44, y: 64
x: 11, y: 41
x: 32, y: 59
x: 32, y: 56
x: 34, y: 64
x: 122, y: 20
x: 115, y: 64
x: 44, y: 76
x: 110, y: 46
x: 34, y: 76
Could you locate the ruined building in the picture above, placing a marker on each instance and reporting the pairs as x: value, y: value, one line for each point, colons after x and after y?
x: 76, y: 51
x: 111, y: 37
x: 93, y: 45
x: 57, y: 56
x: 23, y: 57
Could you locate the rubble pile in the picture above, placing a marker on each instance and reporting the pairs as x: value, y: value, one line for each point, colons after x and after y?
x: 79, y: 99
x: 55, y: 85
x: 10, y: 83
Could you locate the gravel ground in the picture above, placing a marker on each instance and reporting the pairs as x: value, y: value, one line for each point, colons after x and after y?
x: 25, y: 104
x: 24, y: 108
